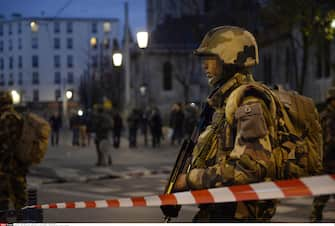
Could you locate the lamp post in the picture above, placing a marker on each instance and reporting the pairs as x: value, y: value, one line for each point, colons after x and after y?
x: 66, y: 96
x: 142, y: 42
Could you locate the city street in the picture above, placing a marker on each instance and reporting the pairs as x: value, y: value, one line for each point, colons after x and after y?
x: 69, y: 174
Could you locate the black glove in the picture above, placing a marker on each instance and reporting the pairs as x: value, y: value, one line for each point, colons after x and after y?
x: 171, y: 210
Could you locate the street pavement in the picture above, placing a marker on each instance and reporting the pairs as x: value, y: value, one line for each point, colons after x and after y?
x: 69, y: 174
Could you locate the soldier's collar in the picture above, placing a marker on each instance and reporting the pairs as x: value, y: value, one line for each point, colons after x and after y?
x: 217, y: 98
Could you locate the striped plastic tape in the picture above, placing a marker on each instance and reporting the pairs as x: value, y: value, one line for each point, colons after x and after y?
x: 308, y: 186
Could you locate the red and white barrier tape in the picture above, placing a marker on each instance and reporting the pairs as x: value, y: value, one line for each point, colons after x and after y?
x: 308, y: 186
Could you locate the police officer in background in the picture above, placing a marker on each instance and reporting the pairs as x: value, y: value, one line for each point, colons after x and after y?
x: 12, y: 172
x: 328, y: 129
x: 235, y: 148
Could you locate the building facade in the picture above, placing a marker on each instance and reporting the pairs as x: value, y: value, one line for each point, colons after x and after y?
x: 43, y: 57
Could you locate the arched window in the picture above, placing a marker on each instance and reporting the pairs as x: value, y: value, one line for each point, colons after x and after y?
x: 167, y: 76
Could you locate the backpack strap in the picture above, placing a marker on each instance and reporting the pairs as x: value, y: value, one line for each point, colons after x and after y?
x: 251, y: 89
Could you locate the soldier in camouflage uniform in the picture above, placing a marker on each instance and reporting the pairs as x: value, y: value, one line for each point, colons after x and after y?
x: 328, y: 128
x: 12, y: 172
x: 235, y: 148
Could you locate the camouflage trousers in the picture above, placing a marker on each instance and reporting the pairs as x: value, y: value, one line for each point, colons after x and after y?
x: 250, y: 211
x: 12, y: 190
x: 319, y: 204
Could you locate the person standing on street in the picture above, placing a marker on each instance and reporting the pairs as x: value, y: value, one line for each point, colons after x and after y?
x: 328, y: 129
x: 117, y: 129
x: 103, y: 124
x: 156, y: 127
x: 177, y: 123
x: 133, y: 123
x: 12, y: 172
x: 235, y: 148
x: 55, y: 123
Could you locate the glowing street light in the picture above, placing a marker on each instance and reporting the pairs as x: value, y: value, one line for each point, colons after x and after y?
x: 80, y: 112
x: 15, y: 96
x: 142, y: 39
x: 117, y: 59
x: 332, y: 25
x: 69, y: 94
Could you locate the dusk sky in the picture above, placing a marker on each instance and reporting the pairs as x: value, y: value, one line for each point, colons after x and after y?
x: 79, y: 8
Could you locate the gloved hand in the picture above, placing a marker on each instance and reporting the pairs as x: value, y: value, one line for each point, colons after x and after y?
x: 171, y: 210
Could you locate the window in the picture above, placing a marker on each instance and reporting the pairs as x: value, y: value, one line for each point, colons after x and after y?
x: 10, y: 44
x: 2, y: 80
x: 69, y: 61
x: 167, y: 76
x: 94, y: 28
x: 56, y: 43
x: 70, y: 78
x: 69, y: 27
x: 20, y: 62
x: 11, y: 80
x: 69, y: 43
x: 57, y: 94
x: 95, y: 61
x: 57, y: 61
x: 56, y: 27
x: 2, y: 64
x: 1, y: 29
x: 35, y: 80
x: 11, y: 62
x: 34, y: 61
x: 94, y: 42
x: 10, y: 31
x: 106, y: 61
x: 106, y: 43
x: 57, y: 78
x: 1, y: 46
x: 34, y: 43
x: 34, y: 26
x: 19, y: 43
x: 36, y: 96
x: 20, y: 80
x: 19, y: 28
x: 107, y: 27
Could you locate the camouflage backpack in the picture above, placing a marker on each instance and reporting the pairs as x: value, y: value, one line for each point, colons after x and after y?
x: 297, y: 146
x: 33, y: 143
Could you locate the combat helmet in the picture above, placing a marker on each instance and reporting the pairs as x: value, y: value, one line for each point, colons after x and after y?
x: 5, y: 98
x: 233, y: 45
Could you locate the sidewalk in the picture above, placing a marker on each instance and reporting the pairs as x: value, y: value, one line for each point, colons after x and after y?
x: 68, y: 163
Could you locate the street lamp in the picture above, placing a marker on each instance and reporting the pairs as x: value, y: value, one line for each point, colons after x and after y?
x: 332, y: 25
x: 117, y: 59
x: 80, y: 112
x: 142, y: 39
x: 15, y: 97
x: 142, y: 42
x: 69, y: 94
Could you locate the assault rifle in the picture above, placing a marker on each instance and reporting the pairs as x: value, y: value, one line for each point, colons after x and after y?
x: 184, y: 159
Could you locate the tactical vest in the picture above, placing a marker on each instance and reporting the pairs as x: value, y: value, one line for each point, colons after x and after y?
x: 296, y: 132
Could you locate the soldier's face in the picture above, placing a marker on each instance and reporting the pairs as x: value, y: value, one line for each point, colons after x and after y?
x: 212, y: 67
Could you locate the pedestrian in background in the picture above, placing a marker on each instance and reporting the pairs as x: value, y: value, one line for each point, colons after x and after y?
x: 144, y: 125
x: 177, y: 123
x: 82, y: 130
x: 156, y: 127
x: 117, y: 129
x: 12, y: 172
x: 103, y: 124
x: 55, y: 123
x: 133, y: 123
x: 191, y: 117
x: 74, y: 126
